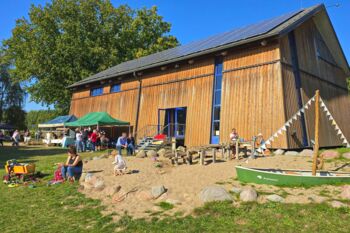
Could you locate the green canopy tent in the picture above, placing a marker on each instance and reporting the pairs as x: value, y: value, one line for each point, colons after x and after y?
x: 98, y: 119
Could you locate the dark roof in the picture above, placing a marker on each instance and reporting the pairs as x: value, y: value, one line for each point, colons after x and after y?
x: 61, y: 120
x: 268, y: 28
x: 6, y: 126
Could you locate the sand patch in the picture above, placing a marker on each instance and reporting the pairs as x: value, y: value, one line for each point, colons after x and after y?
x: 184, y: 183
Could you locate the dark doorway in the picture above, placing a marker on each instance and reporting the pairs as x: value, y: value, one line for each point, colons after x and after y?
x: 172, y: 122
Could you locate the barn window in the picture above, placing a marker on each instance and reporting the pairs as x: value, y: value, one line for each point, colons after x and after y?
x: 96, y: 91
x: 322, y: 51
x: 115, y: 88
x: 215, y: 124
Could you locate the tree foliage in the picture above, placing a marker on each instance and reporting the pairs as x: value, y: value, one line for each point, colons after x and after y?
x: 35, y: 117
x: 11, y: 97
x: 68, y: 40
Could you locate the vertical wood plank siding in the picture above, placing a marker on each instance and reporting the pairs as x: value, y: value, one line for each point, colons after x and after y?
x: 316, y: 73
x: 252, y: 98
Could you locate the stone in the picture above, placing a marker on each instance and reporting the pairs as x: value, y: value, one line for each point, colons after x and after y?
x: 181, y: 148
x: 104, y: 156
x: 275, y: 198
x: 169, y: 155
x: 111, y: 190
x: 214, y: 193
x: 236, y: 190
x: 87, y: 186
x: 96, y: 158
x: 338, y: 204
x: 141, y: 154
x: 157, y: 191
x: 173, y: 201
x: 278, y: 152
x: 330, y: 154
x: 81, y: 188
x: 307, y: 153
x: 346, y: 155
x: 248, y: 195
x: 345, y: 193
x: 99, y: 185
x: 82, y: 177
x: 89, y: 178
x: 151, y: 153
x: 161, y: 152
x: 144, y: 195
x: 291, y: 153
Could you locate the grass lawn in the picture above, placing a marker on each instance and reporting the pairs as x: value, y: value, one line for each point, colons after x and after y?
x: 61, y: 208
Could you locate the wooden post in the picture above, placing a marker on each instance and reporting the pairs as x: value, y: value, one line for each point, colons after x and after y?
x: 237, y: 149
x: 173, y: 144
x: 201, y: 157
x: 214, y: 155
x: 228, y: 154
x: 176, y: 158
x: 317, y: 121
x: 189, y: 157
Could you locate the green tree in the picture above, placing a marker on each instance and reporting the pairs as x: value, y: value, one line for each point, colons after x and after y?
x: 11, y: 96
x: 35, y: 117
x: 68, y: 40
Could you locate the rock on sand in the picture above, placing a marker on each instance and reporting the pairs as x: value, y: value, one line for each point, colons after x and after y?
x: 248, y: 194
x: 275, y: 198
x: 345, y: 194
x: 330, y: 154
x: 157, y: 191
x: 338, y: 204
x: 346, y: 155
x: 307, y: 153
x: 278, y: 152
x: 214, y: 193
x: 141, y: 154
x: 151, y: 153
x: 293, y: 153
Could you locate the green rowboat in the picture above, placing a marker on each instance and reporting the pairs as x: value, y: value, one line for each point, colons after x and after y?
x: 290, y: 177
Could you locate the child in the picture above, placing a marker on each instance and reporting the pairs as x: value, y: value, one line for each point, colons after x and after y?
x: 120, y: 165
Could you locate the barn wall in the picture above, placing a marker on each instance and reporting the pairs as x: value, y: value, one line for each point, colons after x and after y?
x: 317, y: 72
x: 252, y: 96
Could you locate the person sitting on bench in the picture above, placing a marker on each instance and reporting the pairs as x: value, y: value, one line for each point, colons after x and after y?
x: 73, y: 166
x: 122, y: 143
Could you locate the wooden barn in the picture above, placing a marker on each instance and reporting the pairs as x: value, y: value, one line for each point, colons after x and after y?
x: 252, y: 78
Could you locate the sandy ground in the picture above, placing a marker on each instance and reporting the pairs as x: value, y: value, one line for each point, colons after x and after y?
x: 184, y: 182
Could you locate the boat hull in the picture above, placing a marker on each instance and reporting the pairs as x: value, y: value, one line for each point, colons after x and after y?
x: 289, y: 177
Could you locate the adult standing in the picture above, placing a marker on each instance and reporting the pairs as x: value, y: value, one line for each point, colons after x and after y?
x: 131, y: 144
x: 122, y: 143
x: 79, y: 141
x: 26, y: 137
x: 93, y: 139
x: 15, y: 138
x: 2, y: 137
x: 85, y: 138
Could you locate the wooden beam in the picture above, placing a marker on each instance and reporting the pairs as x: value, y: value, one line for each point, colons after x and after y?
x: 317, y: 121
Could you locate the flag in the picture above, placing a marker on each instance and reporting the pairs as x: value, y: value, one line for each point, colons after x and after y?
x: 295, y: 117
x: 345, y: 142
x: 284, y: 128
x: 280, y: 131
x: 299, y: 114
x: 334, y: 123
x: 275, y: 135
x: 268, y: 142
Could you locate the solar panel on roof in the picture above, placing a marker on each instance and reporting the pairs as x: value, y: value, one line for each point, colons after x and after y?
x: 193, y: 48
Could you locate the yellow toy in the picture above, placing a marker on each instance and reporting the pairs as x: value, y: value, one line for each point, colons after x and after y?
x: 12, y: 166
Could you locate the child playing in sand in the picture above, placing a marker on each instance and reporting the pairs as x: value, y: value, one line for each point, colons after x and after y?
x: 120, y: 165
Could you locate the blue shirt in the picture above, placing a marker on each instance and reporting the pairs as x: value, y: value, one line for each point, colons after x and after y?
x: 122, y: 141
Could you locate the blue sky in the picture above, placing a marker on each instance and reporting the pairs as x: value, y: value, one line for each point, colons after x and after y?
x: 192, y: 20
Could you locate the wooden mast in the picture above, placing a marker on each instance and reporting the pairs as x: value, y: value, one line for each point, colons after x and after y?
x: 317, y: 121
